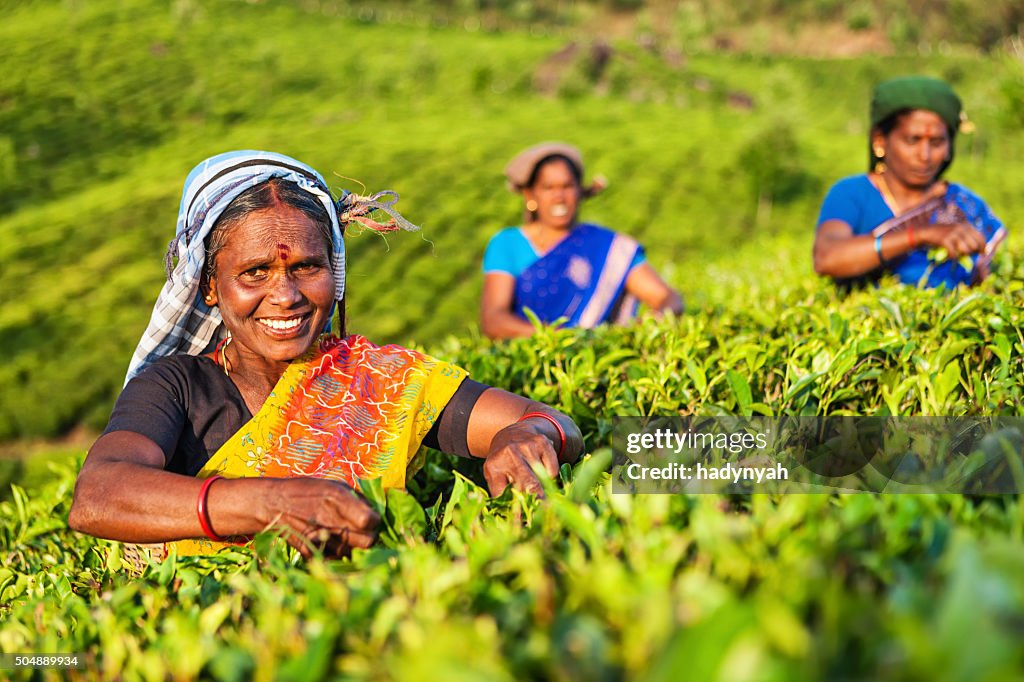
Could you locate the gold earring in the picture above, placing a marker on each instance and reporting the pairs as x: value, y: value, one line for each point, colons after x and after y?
x: 209, y: 299
x: 223, y: 355
x: 531, y: 205
x: 879, y: 153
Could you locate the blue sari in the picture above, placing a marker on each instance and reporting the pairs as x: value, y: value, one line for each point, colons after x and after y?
x: 958, y: 205
x: 582, y: 279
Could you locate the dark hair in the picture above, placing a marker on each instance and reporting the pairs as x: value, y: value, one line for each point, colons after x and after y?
x: 889, y: 123
x: 555, y: 157
x: 273, y: 192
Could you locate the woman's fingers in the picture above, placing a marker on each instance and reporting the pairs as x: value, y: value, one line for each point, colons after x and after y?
x: 331, y: 542
x: 339, y: 542
x: 352, y: 507
x: 948, y: 242
x: 981, y: 271
x: 335, y: 504
x: 521, y: 466
x: 515, y: 472
x: 962, y: 239
x: 298, y: 541
x: 975, y: 240
x: 326, y: 516
x: 549, y: 460
x: 496, y: 475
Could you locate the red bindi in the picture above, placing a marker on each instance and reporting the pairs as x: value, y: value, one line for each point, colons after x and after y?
x: 283, y: 251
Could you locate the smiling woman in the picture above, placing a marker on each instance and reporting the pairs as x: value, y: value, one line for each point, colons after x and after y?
x: 554, y: 266
x: 270, y: 275
x: 239, y: 381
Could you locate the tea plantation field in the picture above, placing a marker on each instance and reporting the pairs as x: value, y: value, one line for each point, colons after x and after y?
x: 589, y: 584
x: 105, y: 109
x: 717, y: 163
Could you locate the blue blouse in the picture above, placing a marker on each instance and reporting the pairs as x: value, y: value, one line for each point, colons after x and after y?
x: 859, y: 204
x: 511, y: 252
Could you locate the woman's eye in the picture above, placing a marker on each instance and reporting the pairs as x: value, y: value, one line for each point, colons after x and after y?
x: 255, y: 273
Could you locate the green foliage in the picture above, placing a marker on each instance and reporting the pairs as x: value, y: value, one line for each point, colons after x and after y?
x: 11, y: 471
x: 984, y: 24
x: 701, y: 154
x: 800, y: 350
x: 1012, y: 86
x: 717, y: 164
x: 771, y: 158
x: 859, y: 17
x: 594, y: 586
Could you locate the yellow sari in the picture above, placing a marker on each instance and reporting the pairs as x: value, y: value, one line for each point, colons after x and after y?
x: 347, y: 410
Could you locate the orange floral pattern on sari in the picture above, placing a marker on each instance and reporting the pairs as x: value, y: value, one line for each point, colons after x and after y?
x: 346, y: 410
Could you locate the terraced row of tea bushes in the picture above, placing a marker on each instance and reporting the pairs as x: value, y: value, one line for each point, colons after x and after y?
x: 892, y: 351
x: 595, y: 585
x: 149, y: 90
x: 586, y: 585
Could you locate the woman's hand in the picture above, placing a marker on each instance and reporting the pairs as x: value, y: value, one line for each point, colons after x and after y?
x: 961, y: 239
x: 981, y: 272
x: 518, y: 455
x: 317, y: 513
x: 123, y: 493
x: 518, y: 451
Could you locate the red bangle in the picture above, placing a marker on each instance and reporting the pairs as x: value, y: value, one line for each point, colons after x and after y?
x: 910, y: 235
x: 203, y: 513
x: 544, y: 415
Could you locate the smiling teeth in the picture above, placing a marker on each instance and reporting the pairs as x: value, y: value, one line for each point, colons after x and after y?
x: 559, y: 210
x: 282, y: 324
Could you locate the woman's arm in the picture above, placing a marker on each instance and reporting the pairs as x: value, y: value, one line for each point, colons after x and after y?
x: 645, y: 284
x: 840, y: 254
x: 123, y: 493
x: 512, y: 447
x: 496, y: 317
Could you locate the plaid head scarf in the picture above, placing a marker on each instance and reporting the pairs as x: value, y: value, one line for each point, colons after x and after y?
x: 182, y: 322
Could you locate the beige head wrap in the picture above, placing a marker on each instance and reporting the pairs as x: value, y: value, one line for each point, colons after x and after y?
x: 519, y: 169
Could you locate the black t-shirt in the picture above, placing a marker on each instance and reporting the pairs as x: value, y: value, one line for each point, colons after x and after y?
x: 190, y: 408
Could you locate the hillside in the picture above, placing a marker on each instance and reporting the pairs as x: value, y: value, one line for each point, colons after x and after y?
x: 104, y: 110
x: 720, y: 127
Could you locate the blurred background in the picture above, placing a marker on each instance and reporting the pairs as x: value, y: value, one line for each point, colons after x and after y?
x: 719, y: 125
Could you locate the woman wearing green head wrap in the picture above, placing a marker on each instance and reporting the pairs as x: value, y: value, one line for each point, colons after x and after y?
x: 901, y: 217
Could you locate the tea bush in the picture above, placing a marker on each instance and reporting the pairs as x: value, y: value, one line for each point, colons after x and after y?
x: 702, y: 155
x: 584, y: 585
x: 591, y: 584
x: 717, y: 165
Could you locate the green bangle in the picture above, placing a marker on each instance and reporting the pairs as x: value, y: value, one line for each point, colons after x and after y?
x: 878, y: 249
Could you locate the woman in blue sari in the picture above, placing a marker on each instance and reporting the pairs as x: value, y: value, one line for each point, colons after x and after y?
x: 901, y: 217
x: 578, y: 274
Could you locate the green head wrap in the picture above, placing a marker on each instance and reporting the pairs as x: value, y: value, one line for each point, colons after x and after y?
x: 915, y: 92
